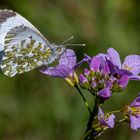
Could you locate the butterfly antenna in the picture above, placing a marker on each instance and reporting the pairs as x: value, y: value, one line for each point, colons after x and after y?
x: 82, y: 45
x: 67, y: 40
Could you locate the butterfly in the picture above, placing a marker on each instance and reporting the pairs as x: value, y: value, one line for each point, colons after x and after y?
x: 22, y: 46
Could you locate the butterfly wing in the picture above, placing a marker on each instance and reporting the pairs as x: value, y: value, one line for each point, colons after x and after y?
x: 10, y: 19
x: 22, y: 46
x: 24, y: 50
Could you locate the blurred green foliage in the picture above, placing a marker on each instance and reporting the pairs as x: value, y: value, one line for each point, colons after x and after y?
x: 36, y: 107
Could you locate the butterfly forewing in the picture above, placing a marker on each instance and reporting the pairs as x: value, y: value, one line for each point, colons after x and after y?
x: 10, y: 19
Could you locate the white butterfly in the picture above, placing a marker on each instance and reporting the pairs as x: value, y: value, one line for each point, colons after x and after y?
x: 22, y: 46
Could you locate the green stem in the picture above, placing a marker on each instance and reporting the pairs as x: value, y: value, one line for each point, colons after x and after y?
x: 89, y: 132
x: 91, y: 92
x: 84, y: 99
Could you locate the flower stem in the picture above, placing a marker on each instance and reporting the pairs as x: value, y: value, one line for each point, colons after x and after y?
x: 89, y: 134
x: 91, y: 92
x: 84, y: 99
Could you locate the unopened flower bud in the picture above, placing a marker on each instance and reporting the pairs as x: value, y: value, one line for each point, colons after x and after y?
x: 87, y: 72
x: 94, y: 86
x: 83, y: 81
x: 101, y: 84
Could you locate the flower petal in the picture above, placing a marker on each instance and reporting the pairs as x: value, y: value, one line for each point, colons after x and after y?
x: 68, y: 58
x: 60, y: 71
x: 123, y: 81
x: 110, y: 122
x: 132, y: 64
x: 105, y: 68
x: 136, y: 78
x: 100, y: 114
x: 106, y: 120
x: 135, y: 122
x: 85, y: 59
x: 113, y: 69
x: 104, y: 94
x: 95, y: 64
x: 115, y: 57
x: 136, y: 102
x: 103, y: 55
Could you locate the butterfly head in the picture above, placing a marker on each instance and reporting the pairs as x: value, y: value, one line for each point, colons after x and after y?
x: 60, y: 50
x: 57, y: 50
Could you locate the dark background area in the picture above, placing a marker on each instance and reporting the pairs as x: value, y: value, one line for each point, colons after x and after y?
x: 34, y: 106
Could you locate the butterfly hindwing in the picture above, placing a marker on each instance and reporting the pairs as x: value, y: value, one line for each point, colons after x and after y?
x: 24, y: 50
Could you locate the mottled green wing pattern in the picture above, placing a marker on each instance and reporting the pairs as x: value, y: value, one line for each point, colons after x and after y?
x: 23, y: 52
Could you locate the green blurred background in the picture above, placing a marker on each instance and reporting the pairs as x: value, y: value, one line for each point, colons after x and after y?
x: 36, y: 107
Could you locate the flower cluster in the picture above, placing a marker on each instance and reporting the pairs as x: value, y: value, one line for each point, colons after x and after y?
x: 96, y: 78
x: 103, y: 121
x: 104, y: 75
